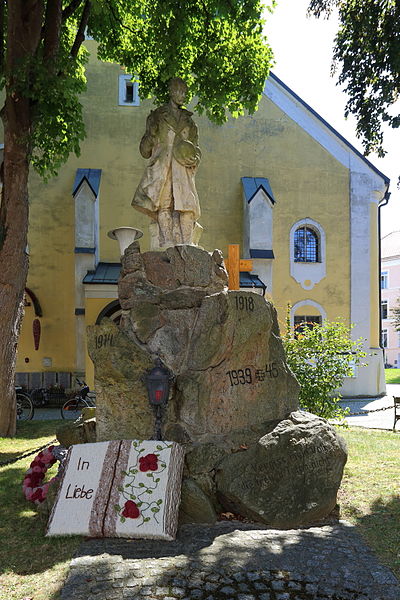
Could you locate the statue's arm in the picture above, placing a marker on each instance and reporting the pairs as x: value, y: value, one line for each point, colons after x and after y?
x: 149, y: 139
x: 194, y: 138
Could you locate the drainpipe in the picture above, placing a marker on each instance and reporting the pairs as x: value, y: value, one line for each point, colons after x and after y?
x: 382, y: 203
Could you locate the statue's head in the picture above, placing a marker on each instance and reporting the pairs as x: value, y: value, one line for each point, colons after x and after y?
x: 178, y: 90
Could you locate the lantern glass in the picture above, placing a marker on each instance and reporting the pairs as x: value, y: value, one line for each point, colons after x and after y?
x: 157, y: 383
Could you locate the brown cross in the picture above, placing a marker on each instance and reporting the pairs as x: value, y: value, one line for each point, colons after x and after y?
x: 234, y: 265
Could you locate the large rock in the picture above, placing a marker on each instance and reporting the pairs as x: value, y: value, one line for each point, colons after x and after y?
x: 233, y: 401
x: 196, y: 506
x: 81, y: 431
x: 122, y: 408
x: 289, y: 478
x: 223, y: 348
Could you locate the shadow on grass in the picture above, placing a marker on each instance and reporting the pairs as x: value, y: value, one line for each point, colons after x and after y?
x: 381, y: 530
x: 24, y: 549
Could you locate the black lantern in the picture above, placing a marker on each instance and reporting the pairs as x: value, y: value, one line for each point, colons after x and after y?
x: 158, y: 381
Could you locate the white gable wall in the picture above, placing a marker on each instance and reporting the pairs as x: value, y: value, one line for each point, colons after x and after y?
x: 367, y: 189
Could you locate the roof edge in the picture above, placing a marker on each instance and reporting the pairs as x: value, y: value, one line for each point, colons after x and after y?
x: 385, y: 178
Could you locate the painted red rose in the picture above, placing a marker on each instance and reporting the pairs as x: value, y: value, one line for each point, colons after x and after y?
x: 148, y: 463
x: 130, y: 510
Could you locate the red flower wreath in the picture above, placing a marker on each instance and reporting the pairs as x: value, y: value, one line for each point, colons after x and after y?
x: 148, y: 463
x: 32, y: 486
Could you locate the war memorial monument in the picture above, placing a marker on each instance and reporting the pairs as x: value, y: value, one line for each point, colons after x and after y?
x: 232, y: 402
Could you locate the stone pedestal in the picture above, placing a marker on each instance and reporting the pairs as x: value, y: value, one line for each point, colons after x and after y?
x: 232, y: 387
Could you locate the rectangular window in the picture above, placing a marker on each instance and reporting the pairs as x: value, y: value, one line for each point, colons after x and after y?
x: 384, y: 338
x: 384, y: 280
x: 128, y: 91
x: 384, y: 309
x: 306, y: 245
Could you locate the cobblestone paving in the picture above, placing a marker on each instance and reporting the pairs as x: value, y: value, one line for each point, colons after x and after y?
x: 232, y: 561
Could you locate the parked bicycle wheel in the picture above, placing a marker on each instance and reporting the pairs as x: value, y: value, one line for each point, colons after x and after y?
x: 25, y: 409
x: 72, y: 408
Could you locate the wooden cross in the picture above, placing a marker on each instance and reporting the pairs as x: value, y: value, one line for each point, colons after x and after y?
x: 234, y: 265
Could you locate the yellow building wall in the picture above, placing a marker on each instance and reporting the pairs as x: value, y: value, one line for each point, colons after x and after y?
x: 306, y: 181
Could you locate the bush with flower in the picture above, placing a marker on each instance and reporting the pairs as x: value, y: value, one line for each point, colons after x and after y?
x: 321, y: 356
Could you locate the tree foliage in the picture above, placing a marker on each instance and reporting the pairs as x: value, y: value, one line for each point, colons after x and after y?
x: 367, y: 52
x: 217, y: 46
x: 321, y: 357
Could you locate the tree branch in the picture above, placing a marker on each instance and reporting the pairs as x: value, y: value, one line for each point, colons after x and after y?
x: 70, y: 9
x: 80, y: 36
x: 52, y: 29
x: 117, y: 19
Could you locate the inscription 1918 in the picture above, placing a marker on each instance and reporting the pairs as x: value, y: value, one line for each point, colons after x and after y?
x: 244, y: 303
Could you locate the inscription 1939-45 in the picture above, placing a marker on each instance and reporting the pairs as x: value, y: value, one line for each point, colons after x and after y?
x: 249, y: 376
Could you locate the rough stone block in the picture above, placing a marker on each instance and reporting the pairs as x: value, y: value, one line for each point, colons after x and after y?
x: 290, y: 478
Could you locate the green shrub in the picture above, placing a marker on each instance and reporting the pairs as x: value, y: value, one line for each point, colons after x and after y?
x: 321, y: 356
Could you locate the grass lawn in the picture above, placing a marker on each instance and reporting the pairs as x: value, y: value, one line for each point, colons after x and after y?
x: 392, y: 375
x: 34, y: 567
x: 369, y: 496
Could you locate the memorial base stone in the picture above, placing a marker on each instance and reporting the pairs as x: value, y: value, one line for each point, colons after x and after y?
x: 234, y: 401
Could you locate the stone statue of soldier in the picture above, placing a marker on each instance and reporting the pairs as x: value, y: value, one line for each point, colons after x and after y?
x: 167, y: 191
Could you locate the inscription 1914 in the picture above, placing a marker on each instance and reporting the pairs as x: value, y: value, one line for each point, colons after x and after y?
x: 246, y: 376
x: 102, y: 341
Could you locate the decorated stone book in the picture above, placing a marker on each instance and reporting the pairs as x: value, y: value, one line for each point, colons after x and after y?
x: 122, y: 488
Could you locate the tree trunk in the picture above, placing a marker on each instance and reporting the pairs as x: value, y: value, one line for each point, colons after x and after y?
x: 24, y: 23
x: 13, y: 271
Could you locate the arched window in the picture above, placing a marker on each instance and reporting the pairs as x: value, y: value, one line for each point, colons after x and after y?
x: 306, y: 313
x: 111, y: 311
x: 306, y: 245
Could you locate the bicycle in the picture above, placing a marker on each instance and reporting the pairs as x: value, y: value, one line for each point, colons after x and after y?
x: 72, y: 408
x: 25, y: 408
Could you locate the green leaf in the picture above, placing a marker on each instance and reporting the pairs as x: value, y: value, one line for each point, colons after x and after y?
x: 117, y: 507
